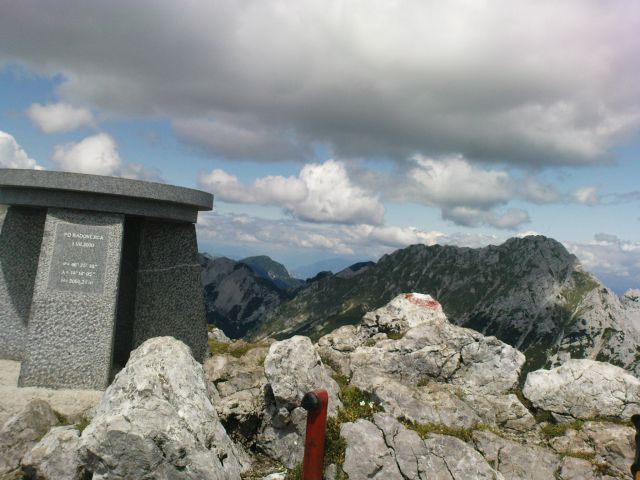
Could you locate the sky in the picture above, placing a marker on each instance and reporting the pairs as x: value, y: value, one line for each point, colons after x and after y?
x: 333, y: 131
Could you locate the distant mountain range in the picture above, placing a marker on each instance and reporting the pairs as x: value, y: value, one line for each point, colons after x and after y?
x: 529, y: 292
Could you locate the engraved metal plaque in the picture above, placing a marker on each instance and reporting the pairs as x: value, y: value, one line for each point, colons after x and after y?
x: 79, y: 258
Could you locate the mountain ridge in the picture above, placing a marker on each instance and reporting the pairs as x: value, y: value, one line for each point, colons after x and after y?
x: 529, y: 292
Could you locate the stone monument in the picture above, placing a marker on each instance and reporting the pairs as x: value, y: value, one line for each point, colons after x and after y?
x: 91, y: 267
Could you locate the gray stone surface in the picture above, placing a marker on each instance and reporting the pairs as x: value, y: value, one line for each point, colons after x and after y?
x: 169, y: 297
x: 55, y: 457
x: 22, y: 431
x: 584, y: 389
x: 71, y: 331
x: 98, y: 193
x: 156, y: 420
x: 20, y: 238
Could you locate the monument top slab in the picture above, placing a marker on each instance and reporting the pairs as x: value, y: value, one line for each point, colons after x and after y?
x: 41, y: 188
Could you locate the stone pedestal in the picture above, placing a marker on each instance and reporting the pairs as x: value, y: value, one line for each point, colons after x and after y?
x: 73, y: 312
x: 113, y: 265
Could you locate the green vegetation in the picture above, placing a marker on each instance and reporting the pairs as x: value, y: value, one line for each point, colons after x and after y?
x: 82, y: 424
x: 236, y: 349
x: 559, y: 429
x: 424, y: 429
x: 356, y: 404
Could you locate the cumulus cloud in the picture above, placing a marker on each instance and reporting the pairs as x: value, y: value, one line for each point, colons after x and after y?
x: 453, y: 181
x: 12, y: 155
x: 320, y: 193
x: 59, y: 117
x: 510, y: 81
x: 98, y: 155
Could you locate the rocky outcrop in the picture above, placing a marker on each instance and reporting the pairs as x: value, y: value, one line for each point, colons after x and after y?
x: 292, y: 368
x: 156, y: 420
x: 421, y: 367
x: 22, y: 431
x: 584, y: 389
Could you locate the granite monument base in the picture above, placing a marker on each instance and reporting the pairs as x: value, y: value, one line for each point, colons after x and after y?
x: 73, y: 312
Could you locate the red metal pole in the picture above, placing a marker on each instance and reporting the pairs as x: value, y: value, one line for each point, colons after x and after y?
x: 315, y: 403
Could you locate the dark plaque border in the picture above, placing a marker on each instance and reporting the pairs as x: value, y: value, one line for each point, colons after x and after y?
x: 78, y: 263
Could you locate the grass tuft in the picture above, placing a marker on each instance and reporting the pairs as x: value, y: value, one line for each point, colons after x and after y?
x: 424, y: 429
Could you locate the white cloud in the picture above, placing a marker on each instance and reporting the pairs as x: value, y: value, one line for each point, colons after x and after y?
x: 320, y: 193
x: 512, y: 81
x: 96, y: 154
x: 453, y: 181
x: 59, y: 117
x: 613, y: 260
x: 13, y: 156
x: 586, y: 195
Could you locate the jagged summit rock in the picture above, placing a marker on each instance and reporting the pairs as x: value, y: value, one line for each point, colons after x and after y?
x: 156, y: 420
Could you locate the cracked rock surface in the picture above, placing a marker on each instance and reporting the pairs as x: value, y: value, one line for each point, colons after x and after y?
x: 584, y: 389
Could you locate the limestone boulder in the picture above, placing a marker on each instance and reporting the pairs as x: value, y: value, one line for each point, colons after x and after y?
x: 156, y: 420
x: 293, y: 368
x: 55, y: 457
x: 584, y: 389
x: 22, y: 431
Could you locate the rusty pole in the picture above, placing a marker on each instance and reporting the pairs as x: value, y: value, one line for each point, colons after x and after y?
x: 315, y: 403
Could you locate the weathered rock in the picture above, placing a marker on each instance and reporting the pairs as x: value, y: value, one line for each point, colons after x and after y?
x: 577, y: 469
x: 156, y: 421
x: 613, y: 444
x: 383, y: 448
x: 514, y: 460
x: 55, y: 457
x: 293, y: 368
x: 240, y: 383
x: 282, y: 434
x: 22, y: 431
x: 367, y: 455
x: 451, y: 458
x: 404, y: 312
x: 584, y: 389
x: 434, y: 349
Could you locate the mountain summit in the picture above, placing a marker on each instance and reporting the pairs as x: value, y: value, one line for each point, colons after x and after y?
x: 529, y: 292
